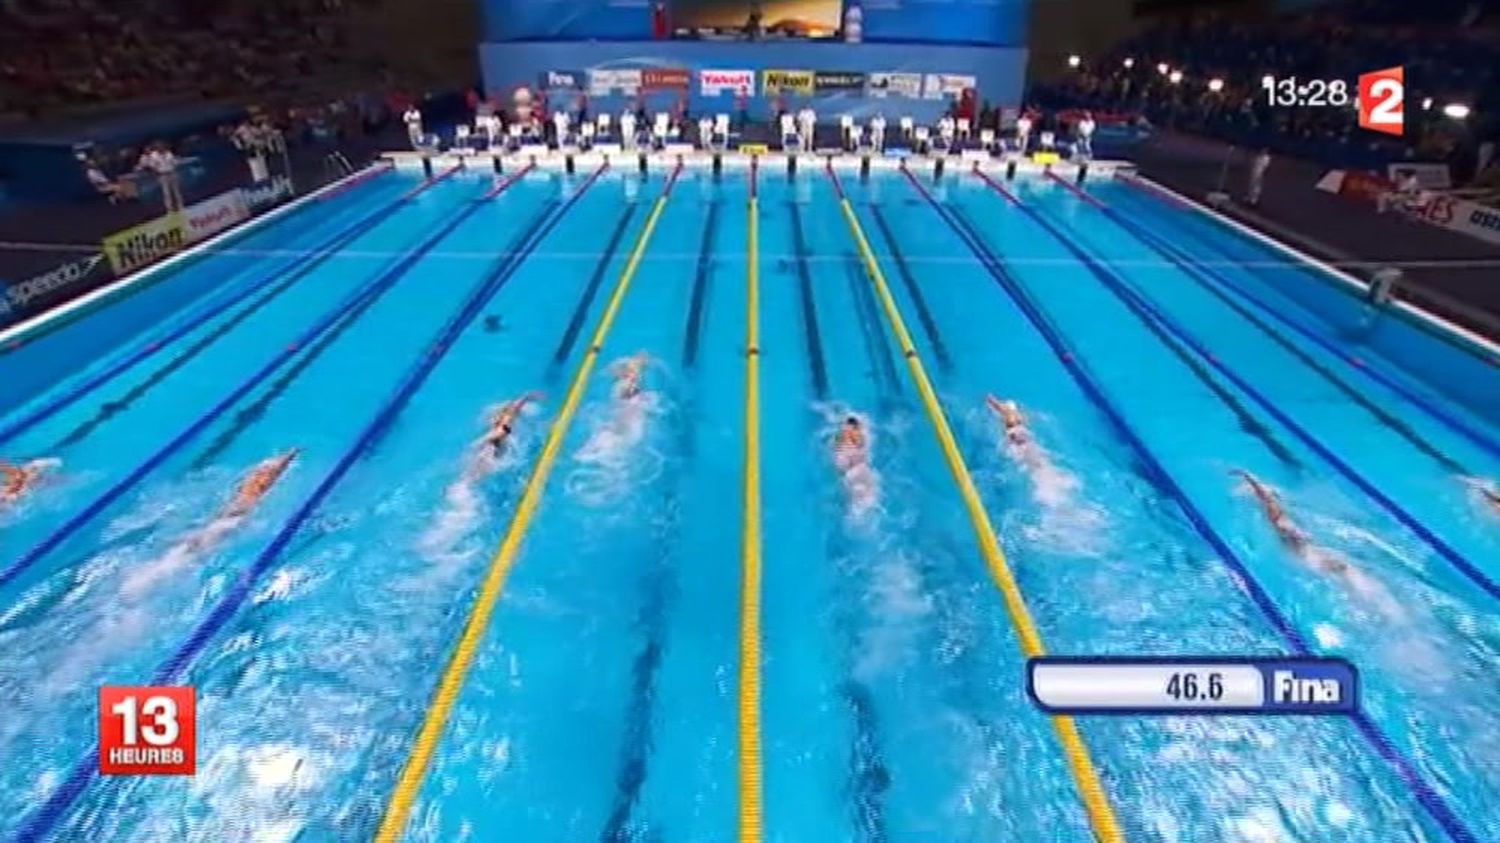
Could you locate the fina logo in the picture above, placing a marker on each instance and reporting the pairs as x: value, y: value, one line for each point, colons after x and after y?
x: 557, y: 79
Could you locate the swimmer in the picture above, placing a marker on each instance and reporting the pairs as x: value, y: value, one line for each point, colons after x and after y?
x: 17, y: 480
x: 1490, y: 492
x: 627, y: 373
x: 850, y: 446
x: 1324, y: 560
x: 257, y: 483
x: 503, y: 420
x: 1010, y: 416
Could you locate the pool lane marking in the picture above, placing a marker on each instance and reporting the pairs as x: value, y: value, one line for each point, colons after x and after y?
x: 247, y: 416
x: 297, y: 268
x: 586, y: 299
x: 445, y: 696
x: 1107, y: 277
x: 1206, y: 276
x: 1425, y: 794
x: 751, y: 809
x: 1125, y: 292
x: 330, y: 318
x: 817, y: 364
x: 1101, y: 815
x: 700, y: 286
x: 918, y: 298
x: 1487, y: 443
x: 52, y: 811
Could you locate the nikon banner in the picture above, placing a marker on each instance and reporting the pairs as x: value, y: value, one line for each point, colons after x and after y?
x: 787, y: 82
x: 146, y: 243
x: 827, y: 82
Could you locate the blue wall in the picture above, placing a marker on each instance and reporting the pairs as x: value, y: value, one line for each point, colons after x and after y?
x: 1000, y: 71
x: 993, y: 22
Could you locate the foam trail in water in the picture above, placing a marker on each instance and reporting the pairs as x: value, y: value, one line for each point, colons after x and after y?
x: 611, y: 461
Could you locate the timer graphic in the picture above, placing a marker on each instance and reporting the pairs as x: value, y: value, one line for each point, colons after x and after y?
x: 1380, y: 96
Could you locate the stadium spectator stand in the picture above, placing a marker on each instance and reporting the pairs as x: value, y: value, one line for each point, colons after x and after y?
x: 1449, y: 48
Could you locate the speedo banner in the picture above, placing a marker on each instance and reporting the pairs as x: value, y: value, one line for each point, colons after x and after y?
x: 895, y: 85
x: 831, y: 81
x: 787, y: 82
x: 604, y: 82
x: 52, y: 287
x: 145, y: 243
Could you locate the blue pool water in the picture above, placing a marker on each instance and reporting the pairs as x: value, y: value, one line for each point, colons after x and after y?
x: 602, y: 701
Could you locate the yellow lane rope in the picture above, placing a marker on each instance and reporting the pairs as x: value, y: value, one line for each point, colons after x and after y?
x: 1100, y: 814
x: 398, y: 809
x: 750, y: 770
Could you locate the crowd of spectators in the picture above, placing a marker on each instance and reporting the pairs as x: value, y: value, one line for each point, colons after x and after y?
x: 60, y: 53
x: 1205, y: 74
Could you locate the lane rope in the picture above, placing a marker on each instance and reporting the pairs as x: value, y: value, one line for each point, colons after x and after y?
x: 445, y: 696
x: 751, y: 810
x: 1101, y: 815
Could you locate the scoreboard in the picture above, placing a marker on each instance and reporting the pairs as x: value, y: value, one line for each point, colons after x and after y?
x: 1193, y: 685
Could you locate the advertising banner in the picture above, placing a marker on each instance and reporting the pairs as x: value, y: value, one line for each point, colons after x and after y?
x: 895, y: 85
x: 52, y: 287
x: 787, y: 82
x: 265, y: 194
x: 626, y: 81
x: 553, y: 80
x: 1429, y: 176
x: 713, y: 83
x: 145, y: 243
x: 1478, y: 221
x: 947, y: 85
x: 1365, y: 187
x: 212, y: 216
x: 664, y: 78
x: 830, y: 81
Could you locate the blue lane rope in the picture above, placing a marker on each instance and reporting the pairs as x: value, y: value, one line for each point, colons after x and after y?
x: 1468, y: 431
x: 299, y: 268
x: 51, y: 812
x: 1126, y: 292
x: 1424, y: 792
x: 372, y: 288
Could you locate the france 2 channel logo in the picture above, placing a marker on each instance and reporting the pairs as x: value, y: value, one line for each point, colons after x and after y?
x: 147, y: 731
x: 1382, y: 101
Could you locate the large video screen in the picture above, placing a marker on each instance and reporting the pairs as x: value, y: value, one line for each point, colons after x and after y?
x: 806, y: 18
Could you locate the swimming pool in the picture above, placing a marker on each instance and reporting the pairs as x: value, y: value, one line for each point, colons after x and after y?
x: 593, y: 638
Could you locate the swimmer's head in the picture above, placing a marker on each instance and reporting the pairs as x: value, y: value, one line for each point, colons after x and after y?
x: 852, y: 421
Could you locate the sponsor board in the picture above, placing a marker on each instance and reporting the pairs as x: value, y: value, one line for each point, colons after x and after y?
x: 1364, y: 186
x: 552, y: 80
x: 787, y: 82
x: 664, y: 78
x: 938, y: 86
x: 713, y: 83
x: 145, y: 243
x: 60, y: 283
x: 1429, y: 176
x: 1481, y: 222
x: 212, y: 216
x: 828, y: 81
x: 266, y: 193
x: 619, y: 81
x: 895, y: 85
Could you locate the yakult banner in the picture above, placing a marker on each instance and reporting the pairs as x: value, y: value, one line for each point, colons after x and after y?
x: 825, y: 81
x: 895, y: 85
x: 626, y: 81
x: 945, y: 85
x: 145, y: 243
x: 212, y: 216
x: 713, y: 83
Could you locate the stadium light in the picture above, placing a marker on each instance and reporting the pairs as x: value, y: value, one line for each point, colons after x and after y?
x: 1216, y: 85
x: 1129, y: 63
x: 1427, y: 104
x: 1162, y: 68
x: 1456, y: 110
x: 1074, y: 61
x: 1175, y: 77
